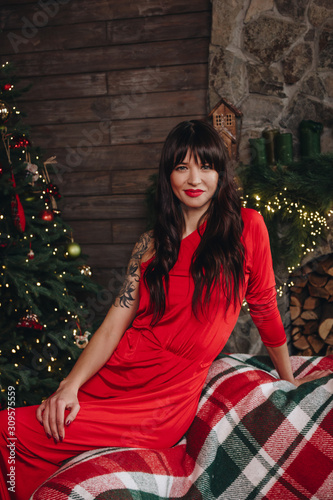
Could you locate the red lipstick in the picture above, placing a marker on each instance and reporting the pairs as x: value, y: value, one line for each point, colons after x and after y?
x: 193, y: 192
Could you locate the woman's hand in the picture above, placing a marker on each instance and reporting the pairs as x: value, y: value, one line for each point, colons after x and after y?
x: 51, y: 413
x: 280, y: 357
x: 313, y: 376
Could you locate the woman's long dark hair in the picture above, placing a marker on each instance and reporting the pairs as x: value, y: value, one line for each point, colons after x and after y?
x: 220, y: 246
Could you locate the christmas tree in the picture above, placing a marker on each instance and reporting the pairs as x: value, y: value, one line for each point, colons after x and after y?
x: 43, y: 279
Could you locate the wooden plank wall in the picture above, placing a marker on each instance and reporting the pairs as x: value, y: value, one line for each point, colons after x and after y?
x: 110, y: 79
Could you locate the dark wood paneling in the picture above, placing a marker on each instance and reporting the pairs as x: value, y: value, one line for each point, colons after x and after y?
x: 105, y: 207
x: 82, y: 138
x: 18, y: 3
x: 85, y: 11
x: 84, y: 110
x: 96, y: 231
x: 116, y: 32
x: 55, y: 38
x: 158, y: 28
x: 108, y: 256
x: 158, y: 79
x: 112, y: 58
x: 132, y: 182
x: 136, y: 105
x: 144, y: 131
x: 146, y: 80
x: 64, y: 86
x: 125, y: 107
x: 102, y: 183
x: 128, y: 231
x: 118, y: 157
x: 90, y: 183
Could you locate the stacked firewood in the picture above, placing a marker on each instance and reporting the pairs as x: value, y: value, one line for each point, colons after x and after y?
x: 311, y: 307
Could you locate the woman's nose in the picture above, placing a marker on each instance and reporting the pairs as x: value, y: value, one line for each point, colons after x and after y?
x: 194, y: 177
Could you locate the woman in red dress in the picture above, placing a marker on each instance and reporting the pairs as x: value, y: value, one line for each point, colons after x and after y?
x: 139, y: 380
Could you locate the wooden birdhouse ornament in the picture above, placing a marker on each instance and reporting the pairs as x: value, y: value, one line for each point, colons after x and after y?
x: 227, y: 120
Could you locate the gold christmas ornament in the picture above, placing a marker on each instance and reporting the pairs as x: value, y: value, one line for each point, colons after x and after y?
x: 86, y: 270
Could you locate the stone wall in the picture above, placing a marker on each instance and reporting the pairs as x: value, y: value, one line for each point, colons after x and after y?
x: 273, y: 59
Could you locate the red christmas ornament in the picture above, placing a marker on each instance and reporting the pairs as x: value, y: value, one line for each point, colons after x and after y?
x: 30, y: 321
x: 18, y: 142
x: 46, y: 215
x: 7, y: 86
x: 18, y: 213
x: 17, y: 210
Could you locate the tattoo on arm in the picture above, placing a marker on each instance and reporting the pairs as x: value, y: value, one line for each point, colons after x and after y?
x: 125, y: 297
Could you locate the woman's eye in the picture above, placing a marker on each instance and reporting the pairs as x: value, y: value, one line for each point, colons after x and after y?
x: 206, y: 166
x: 180, y: 167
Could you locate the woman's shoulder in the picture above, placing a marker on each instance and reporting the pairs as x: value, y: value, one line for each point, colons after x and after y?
x: 254, y: 223
x: 145, y: 248
x: 251, y: 217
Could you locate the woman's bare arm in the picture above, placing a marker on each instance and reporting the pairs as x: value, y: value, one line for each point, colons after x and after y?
x: 51, y: 412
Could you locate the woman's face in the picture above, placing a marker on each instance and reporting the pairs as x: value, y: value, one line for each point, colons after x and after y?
x: 194, y: 183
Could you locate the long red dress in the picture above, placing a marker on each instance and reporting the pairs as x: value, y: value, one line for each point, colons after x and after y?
x: 147, y: 394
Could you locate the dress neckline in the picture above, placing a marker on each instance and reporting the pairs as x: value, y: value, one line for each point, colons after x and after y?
x: 195, y: 231
x: 186, y: 237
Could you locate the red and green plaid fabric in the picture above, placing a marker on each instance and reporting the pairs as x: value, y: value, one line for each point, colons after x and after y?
x: 254, y: 437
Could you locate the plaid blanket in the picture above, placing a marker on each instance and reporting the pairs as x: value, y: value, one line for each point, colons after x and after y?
x: 254, y: 437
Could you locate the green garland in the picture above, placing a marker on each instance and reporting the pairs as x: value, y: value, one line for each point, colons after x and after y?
x: 295, y: 202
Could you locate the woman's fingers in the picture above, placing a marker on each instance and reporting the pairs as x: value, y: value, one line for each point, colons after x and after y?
x: 45, y: 421
x: 314, y: 376
x: 56, y: 418
x: 74, y: 410
x: 39, y: 412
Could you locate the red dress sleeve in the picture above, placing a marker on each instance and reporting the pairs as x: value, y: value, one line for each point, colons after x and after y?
x: 261, y: 292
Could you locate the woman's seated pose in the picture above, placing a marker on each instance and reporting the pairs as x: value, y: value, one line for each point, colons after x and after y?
x: 138, y: 382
